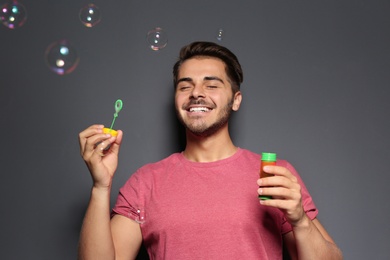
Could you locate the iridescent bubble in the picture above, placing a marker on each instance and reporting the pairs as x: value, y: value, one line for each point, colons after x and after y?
x: 220, y: 35
x: 61, y: 57
x: 157, y: 39
x: 90, y: 15
x: 13, y: 15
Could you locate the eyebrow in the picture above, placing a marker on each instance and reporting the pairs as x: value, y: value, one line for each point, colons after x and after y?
x: 207, y: 78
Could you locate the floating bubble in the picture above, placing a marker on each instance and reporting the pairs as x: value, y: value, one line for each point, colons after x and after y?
x: 157, y: 39
x: 220, y: 35
x: 90, y: 15
x: 61, y: 57
x: 13, y: 15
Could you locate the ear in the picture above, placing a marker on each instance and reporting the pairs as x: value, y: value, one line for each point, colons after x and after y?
x: 237, y: 101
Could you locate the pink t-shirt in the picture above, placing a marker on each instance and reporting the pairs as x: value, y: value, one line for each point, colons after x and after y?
x: 190, y: 210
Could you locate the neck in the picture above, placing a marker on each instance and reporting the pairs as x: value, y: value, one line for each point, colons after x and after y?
x: 209, y: 149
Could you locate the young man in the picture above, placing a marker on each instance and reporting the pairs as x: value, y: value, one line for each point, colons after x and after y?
x: 201, y: 203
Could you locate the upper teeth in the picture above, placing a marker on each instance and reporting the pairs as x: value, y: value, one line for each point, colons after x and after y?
x: 198, y: 109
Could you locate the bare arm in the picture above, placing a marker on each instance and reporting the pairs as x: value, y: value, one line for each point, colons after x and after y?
x: 101, y: 237
x: 127, y: 237
x: 311, y: 241
x: 95, y: 238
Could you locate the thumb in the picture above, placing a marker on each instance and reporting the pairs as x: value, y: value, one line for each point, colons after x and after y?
x: 116, y: 144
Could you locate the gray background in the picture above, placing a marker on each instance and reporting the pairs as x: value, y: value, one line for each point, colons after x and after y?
x: 315, y: 91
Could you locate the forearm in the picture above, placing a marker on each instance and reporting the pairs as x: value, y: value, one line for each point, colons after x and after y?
x: 311, y: 243
x: 95, y: 238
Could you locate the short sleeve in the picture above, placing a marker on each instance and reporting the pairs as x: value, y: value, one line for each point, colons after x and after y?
x: 128, y: 202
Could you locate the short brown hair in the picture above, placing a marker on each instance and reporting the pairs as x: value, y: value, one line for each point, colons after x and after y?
x: 210, y: 49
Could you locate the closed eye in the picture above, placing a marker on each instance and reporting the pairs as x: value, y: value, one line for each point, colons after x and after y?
x: 183, y: 87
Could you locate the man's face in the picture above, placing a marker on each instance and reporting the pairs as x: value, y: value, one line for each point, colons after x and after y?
x: 204, y: 99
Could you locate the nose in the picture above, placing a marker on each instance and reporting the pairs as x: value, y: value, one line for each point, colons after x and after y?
x: 198, y: 92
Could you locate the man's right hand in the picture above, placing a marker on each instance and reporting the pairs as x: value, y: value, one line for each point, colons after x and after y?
x: 102, y: 168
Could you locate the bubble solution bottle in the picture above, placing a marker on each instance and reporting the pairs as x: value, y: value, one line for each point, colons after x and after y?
x: 266, y: 159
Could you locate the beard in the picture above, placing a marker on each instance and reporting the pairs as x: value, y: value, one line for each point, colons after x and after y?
x: 201, y: 128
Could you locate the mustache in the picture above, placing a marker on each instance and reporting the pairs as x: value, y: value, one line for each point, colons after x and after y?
x: 197, y: 102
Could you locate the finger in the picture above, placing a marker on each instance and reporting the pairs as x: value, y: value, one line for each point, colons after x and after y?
x: 279, y: 181
x: 90, y: 131
x: 117, y: 142
x: 119, y: 137
x: 104, y: 147
x: 279, y: 203
x: 113, y: 145
x: 96, y: 142
x: 280, y: 193
x: 276, y: 170
x: 291, y: 208
x: 279, y: 186
x: 281, y: 171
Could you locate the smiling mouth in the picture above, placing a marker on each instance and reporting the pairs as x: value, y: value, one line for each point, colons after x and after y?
x: 199, y: 109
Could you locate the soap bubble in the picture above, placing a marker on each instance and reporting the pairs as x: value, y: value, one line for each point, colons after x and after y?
x: 157, y: 39
x: 61, y: 57
x: 13, y: 15
x: 220, y: 35
x: 90, y: 15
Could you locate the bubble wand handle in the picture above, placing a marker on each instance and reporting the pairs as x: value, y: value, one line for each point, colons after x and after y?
x: 118, y: 108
